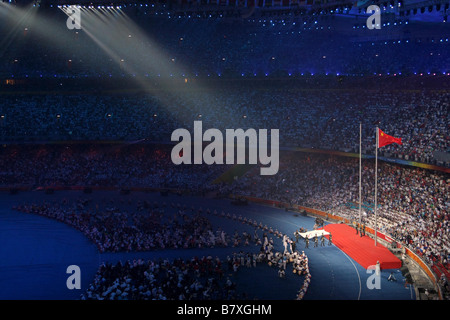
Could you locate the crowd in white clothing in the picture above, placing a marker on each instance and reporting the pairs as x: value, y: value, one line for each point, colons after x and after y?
x: 205, y: 278
x: 135, y: 229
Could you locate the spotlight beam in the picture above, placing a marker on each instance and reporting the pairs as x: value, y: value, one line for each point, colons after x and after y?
x: 19, y: 16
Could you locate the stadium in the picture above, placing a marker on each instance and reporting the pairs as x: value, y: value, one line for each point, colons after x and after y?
x: 120, y: 178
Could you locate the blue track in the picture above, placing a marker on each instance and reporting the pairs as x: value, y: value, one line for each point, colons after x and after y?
x: 35, y: 252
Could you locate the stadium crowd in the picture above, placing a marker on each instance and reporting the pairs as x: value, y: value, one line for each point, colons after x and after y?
x: 100, y: 165
x: 329, y: 120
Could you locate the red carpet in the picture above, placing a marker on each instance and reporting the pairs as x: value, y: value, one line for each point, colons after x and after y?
x: 362, y: 249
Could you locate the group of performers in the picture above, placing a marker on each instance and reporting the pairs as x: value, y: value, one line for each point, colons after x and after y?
x: 360, y: 229
x: 315, y: 239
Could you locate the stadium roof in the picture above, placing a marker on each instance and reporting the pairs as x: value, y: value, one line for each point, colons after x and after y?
x: 419, y: 10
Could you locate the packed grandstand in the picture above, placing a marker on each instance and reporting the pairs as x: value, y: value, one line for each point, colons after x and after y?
x: 61, y: 129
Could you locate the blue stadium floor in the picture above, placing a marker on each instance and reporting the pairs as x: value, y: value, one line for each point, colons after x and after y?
x: 36, y: 251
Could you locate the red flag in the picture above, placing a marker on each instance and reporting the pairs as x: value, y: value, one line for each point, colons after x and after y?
x: 385, y: 139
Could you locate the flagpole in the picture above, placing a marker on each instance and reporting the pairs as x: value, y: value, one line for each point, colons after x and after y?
x: 360, y: 153
x: 376, y: 184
